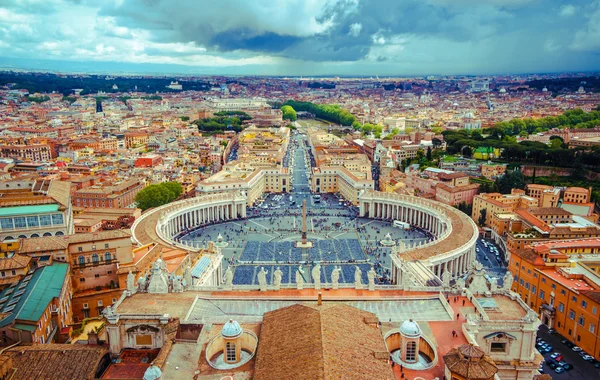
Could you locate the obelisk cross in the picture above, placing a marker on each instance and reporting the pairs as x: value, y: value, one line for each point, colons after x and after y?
x: 304, y: 221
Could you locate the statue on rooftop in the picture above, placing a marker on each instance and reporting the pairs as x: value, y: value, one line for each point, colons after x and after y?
x: 141, y: 283
x: 300, y: 278
x: 277, y: 278
x: 357, y: 278
x: 177, y: 286
x: 316, y: 276
x: 371, y: 275
x: 262, y: 278
x: 187, y: 277
x: 446, y: 277
x: 335, y: 277
x: 130, y: 282
x: 228, y: 277
x: 508, y: 281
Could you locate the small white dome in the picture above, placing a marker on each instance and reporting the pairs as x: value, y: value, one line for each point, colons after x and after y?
x: 231, y: 329
x: 152, y: 373
x: 410, y: 328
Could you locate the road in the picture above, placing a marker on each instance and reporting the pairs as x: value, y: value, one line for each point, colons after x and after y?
x: 488, y: 259
x: 582, y: 370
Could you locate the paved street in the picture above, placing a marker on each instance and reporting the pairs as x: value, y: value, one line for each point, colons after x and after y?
x: 495, y: 268
x: 582, y: 370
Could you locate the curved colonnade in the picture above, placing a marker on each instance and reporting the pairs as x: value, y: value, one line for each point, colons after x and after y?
x: 453, y: 247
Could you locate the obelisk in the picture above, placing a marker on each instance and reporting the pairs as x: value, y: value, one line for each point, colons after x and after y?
x: 303, y: 243
x: 304, y: 222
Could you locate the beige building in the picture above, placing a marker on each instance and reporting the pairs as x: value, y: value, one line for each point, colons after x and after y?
x: 547, y: 196
x: 495, y: 203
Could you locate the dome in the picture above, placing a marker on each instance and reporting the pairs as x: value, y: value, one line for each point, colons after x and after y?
x: 410, y: 328
x: 231, y: 329
x: 503, y: 90
x: 152, y: 373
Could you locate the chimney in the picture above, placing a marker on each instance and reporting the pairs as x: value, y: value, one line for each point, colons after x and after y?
x: 319, y: 299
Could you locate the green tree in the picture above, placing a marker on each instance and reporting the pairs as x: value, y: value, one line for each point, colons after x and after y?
x: 289, y: 113
x: 428, y: 153
x: 185, y: 118
x: 556, y: 143
x: 158, y: 194
x: 511, y: 180
x: 482, y: 217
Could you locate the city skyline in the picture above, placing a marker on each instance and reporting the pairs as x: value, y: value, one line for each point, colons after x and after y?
x: 310, y: 38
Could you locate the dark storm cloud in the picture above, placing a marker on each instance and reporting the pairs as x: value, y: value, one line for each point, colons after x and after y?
x: 245, y: 39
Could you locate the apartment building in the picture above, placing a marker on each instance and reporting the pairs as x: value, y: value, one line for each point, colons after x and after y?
x: 35, y: 208
x: 94, y: 259
x: 29, y: 153
x: 548, y: 196
x: 37, y: 309
x: 560, y: 280
x: 105, y: 195
x: 136, y: 139
x: 500, y: 203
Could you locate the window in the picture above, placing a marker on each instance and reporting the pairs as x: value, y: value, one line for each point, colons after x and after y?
x: 32, y: 221
x: 100, y: 303
x: 107, y: 256
x: 542, y: 294
x: 554, y: 286
x: 79, y: 249
x: 95, y: 258
x: 45, y: 220
x: 561, y: 307
x: 563, y: 292
x: 82, y: 279
x: 230, y: 351
x: 571, y: 314
x: 583, y: 304
x: 498, y: 347
x: 543, y: 280
x: 81, y: 260
x: 592, y: 328
x: 97, y: 275
x: 57, y: 219
x: 527, y: 285
x: 574, y: 299
x: 20, y: 222
x: 411, y: 351
x: 85, y: 306
x: 106, y: 246
x: 533, y: 289
x: 6, y: 223
x: 594, y: 310
x: 581, y: 320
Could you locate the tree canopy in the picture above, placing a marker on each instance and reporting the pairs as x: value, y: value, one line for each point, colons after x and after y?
x: 222, y: 121
x: 330, y: 112
x: 288, y: 113
x: 158, y: 194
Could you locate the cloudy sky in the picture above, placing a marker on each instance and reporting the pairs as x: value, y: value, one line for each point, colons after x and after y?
x: 302, y: 37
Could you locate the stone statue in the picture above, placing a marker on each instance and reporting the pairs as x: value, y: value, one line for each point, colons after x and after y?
x: 177, y: 286
x: 130, y: 282
x: 228, y: 277
x: 262, y: 278
x: 357, y: 278
x: 187, y: 277
x: 316, y: 276
x: 299, y: 278
x: 108, y: 312
x: 335, y: 277
x: 477, y: 265
x: 460, y: 284
x: 446, y: 278
x: 508, y: 281
x: 277, y: 278
x: 371, y: 275
x: 141, y: 283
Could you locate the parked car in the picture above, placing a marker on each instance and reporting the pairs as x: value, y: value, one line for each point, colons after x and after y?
x: 559, y: 358
x: 554, y: 355
x: 567, y: 367
x: 551, y: 363
x: 548, y: 348
x: 552, y: 332
x: 588, y: 358
x: 576, y: 348
x: 561, y: 363
x: 559, y: 370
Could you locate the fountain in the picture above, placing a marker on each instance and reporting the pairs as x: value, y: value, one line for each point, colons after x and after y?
x: 388, y: 241
x: 220, y: 243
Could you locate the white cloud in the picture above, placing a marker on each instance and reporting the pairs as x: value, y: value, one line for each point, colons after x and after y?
x: 588, y: 39
x: 551, y: 45
x: 567, y: 10
x: 355, y: 29
x: 378, y: 38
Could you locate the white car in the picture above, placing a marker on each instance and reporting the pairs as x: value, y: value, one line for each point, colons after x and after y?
x: 576, y: 349
x: 554, y: 355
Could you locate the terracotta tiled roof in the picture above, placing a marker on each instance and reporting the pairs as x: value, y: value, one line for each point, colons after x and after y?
x: 55, y: 361
x: 470, y: 362
x: 592, y: 294
x: 321, y: 342
x: 15, y: 262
